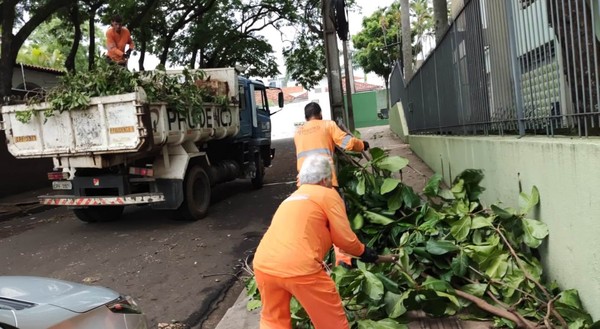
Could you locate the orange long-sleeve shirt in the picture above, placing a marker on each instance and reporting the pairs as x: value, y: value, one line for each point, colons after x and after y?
x: 303, y: 230
x: 116, y: 42
x: 320, y: 137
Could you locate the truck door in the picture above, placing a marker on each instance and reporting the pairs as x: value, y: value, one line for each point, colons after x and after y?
x: 261, y: 118
x: 245, y: 110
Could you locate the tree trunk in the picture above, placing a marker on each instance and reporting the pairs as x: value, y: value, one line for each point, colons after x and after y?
x: 12, y: 43
x: 407, y: 56
x: 387, y: 91
x: 70, y: 61
x: 7, y: 61
x: 440, y: 16
x: 92, y: 30
x: 143, y: 46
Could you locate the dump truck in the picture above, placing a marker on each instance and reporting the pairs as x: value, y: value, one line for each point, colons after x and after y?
x: 123, y: 150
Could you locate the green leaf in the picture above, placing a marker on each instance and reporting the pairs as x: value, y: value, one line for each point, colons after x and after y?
x: 376, y: 218
x: 498, y: 267
x: 394, y: 304
x: 450, y: 297
x: 395, y: 200
x: 253, y: 304
x: 360, y: 188
x: 433, y: 186
x: 458, y: 189
x: 392, y: 163
x: 440, y: 247
x: 389, y: 184
x: 480, y: 221
x: 376, y: 152
x: 381, y: 324
x: 437, y: 285
x: 460, y: 263
x: 460, y: 229
x: 357, y: 222
x: 475, y: 289
x: 527, y: 202
x: 410, y: 198
x: 372, y: 286
x: 534, y: 232
x: 502, y: 213
x: 388, y: 284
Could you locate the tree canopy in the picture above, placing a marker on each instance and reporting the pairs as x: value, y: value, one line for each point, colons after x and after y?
x: 378, y: 43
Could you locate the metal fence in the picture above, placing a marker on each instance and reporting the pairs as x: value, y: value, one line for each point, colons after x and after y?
x: 509, y: 67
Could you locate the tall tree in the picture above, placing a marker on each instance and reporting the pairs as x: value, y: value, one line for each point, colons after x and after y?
x: 38, y: 12
x: 440, y: 15
x: 375, y: 43
x: 406, y: 40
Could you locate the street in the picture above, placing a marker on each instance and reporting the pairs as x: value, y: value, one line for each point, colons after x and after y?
x: 175, y: 270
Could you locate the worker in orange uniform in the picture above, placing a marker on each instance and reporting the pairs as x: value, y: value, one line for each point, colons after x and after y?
x: 289, y: 258
x: 318, y: 136
x: 117, y: 37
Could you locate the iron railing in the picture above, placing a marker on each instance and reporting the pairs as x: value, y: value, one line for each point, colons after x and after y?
x: 509, y: 67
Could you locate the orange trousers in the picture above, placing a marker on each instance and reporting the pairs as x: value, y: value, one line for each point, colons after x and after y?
x: 316, y: 293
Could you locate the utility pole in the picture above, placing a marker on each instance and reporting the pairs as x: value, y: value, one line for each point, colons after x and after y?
x: 349, y: 85
x: 332, y: 57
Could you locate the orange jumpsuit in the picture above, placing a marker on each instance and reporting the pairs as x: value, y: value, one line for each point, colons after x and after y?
x: 288, y: 261
x: 116, y: 42
x: 320, y: 137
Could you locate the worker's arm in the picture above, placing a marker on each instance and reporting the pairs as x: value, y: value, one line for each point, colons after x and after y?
x: 130, y: 42
x: 343, y: 139
x: 339, y: 227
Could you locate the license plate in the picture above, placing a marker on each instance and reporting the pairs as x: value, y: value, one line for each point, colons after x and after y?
x: 62, y: 185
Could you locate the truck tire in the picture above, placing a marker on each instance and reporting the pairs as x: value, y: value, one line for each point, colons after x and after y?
x: 99, y: 214
x: 196, y: 195
x: 258, y: 180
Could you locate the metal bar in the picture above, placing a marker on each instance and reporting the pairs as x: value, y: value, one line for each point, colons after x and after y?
x: 516, y: 69
x: 572, y: 80
x: 558, y: 59
x: 589, y: 66
x: 581, y: 69
x: 545, y: 63
x: 594, y: 41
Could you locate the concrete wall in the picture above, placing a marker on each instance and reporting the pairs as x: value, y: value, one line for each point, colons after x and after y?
x: 566, y: 172
x: 365, y: 106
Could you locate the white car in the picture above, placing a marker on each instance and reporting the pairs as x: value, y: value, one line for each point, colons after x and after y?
x: 28, y: 302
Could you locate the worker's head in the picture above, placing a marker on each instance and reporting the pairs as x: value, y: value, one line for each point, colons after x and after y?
x: 312, y: 111
x: 316, y: 170
x: 116, y: 22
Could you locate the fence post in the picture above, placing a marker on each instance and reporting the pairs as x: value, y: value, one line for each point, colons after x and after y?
x: 515, y: 65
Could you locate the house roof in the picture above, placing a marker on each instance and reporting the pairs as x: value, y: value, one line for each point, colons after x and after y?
x: 361, y: 86
x: 39, y: 68
x: 290, y: 94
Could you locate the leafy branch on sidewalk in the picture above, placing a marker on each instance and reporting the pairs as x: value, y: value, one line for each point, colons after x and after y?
x: 457, y: 257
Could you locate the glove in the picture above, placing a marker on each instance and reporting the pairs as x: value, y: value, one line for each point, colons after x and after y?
x: 369, y: 255
x: 127, y: 54
x: 366, y: 144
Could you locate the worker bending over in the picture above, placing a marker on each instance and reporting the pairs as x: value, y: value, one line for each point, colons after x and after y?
x: 289, y: 258
x: 117, y: 37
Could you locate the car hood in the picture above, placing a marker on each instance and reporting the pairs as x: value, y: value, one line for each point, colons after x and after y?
x: 68, y: 295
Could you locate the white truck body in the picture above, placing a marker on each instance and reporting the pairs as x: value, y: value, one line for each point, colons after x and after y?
x: 113, y: 128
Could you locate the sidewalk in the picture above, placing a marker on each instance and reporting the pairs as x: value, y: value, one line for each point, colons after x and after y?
x: 416, y: 176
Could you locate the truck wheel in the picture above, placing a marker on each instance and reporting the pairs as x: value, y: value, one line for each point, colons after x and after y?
x: 258, y: 180
x: 99, y: 214
x: 196, y: 195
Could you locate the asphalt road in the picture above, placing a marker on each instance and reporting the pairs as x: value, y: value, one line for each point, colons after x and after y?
x: 175, y: 270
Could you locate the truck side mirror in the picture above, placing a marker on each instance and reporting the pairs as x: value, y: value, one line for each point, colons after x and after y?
x: 280, y: 99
